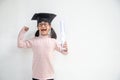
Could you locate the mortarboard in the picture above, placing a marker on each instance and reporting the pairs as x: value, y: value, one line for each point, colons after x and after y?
x: 47, y: 17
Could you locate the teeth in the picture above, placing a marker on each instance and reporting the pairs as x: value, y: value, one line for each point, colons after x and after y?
x: 43, y: 29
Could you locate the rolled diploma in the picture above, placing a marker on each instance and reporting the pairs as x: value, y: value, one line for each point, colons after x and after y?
x: 62, y: 32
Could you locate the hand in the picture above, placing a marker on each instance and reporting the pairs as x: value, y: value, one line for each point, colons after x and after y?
x: 65, y: 46
x: 25, y: 28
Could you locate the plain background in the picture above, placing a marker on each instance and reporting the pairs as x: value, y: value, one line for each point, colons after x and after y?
x: 92, y: 32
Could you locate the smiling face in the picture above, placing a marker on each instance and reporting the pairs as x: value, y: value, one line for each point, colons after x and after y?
x: 44, y: 28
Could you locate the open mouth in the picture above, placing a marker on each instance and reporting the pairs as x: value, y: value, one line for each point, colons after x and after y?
x: 43, y: 29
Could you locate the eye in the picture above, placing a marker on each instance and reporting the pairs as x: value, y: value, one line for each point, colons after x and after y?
x: 39, y: 25
x: 46, y: 24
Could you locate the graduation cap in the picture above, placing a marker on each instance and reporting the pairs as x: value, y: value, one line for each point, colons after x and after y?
x: 47, y: 17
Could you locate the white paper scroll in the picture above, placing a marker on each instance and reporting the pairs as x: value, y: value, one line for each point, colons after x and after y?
x: 62, y: 32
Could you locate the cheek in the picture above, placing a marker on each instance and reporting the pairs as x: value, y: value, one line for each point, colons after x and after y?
x: 48, y: 27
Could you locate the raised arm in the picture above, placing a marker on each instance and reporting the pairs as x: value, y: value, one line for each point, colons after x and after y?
x: 21, y: 42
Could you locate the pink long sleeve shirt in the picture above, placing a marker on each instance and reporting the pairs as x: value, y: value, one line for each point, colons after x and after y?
x: 43, y: 47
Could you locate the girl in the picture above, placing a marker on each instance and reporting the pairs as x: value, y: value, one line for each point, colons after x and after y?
x: 43, y: 45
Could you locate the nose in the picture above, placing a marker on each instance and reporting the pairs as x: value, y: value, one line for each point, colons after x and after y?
x: 42, y: 25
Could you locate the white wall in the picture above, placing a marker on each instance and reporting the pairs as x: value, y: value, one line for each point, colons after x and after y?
x: 93, y: 35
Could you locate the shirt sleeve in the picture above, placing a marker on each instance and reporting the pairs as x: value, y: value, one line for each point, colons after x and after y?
x: 21, y: 43
x: 59, y: 48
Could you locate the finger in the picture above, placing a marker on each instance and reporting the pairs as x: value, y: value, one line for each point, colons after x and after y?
x: 65, y: 43
x: 65, y: 46
x: 66, y: 49
x: 26, y: 28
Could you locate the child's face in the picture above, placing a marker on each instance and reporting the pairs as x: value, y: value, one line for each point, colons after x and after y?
x: 44, y: 28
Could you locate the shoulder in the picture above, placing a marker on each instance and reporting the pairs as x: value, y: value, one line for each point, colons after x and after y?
x: 53, y: 39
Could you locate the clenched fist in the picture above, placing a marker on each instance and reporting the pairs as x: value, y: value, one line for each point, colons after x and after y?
x: 65, y: 46
x: 25, y: 28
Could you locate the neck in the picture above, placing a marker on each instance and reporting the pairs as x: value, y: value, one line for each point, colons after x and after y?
x: 45, y: 35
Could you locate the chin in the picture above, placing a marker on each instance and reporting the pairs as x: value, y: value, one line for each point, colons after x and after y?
x: 44, y: 34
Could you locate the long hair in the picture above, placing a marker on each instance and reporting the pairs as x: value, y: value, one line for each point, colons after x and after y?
x: 52, y: 34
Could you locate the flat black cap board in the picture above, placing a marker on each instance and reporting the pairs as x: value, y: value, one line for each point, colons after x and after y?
x: 47, y: 17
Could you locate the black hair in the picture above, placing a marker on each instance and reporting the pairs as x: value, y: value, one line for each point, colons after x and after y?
x: 52, y: 34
